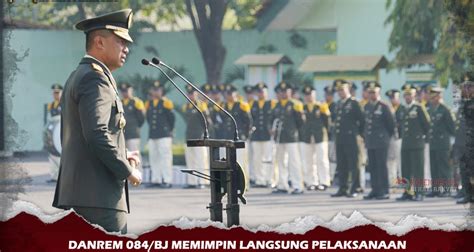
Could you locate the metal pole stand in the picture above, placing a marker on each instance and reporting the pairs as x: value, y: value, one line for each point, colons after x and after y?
x: 226, y: 177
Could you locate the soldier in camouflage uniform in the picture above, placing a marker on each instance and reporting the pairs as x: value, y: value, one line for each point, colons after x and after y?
x: 314, y: 138
x: 134, y: 112
x: 349, y: 126
x: 197, y: 158
x: 290, y: 117
x: 415, y: 126
x: 161, y: 119
x: 379, y: 129
x: 441, y: 130
x: 260, y: 139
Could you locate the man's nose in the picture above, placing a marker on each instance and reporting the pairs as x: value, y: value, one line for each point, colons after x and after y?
x: 126, y: 50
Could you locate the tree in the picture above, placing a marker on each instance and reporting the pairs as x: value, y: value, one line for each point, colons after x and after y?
x: 433, y: 27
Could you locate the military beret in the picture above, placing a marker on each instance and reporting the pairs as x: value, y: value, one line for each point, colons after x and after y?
x: 339, y: 84
x: 189, y: 89
x: 260, y: 86
x: 307, y: 89
x: 329, y: 89
x: 125, y: 86
x: 248, y: 89
x: 436, y: 90
x: 118, y: 22
x: 57, y: 87
x: 206, y: 88
x: 390, y: 93
x: 371, y: 86
x: 156, y: 85
x: 409, y: 88
x: 282, y: 86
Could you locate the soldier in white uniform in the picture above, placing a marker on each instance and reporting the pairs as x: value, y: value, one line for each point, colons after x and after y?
x: 54, y: 111
x: 395, y: 145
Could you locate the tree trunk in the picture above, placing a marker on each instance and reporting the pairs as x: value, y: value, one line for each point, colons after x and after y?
x: 207, y: 17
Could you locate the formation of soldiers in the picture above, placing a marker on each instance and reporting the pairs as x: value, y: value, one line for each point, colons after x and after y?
x: 296, y: 145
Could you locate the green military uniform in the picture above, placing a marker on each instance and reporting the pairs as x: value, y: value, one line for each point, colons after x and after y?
x: 349, y: 124
x: 459, y: 148
x: 134, y: 114
x: 415, y: 126
x: 379, y: 129
x: 442, y: 128
x: 94, y: 166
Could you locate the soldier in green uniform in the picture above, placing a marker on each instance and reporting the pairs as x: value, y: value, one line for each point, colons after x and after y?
x: 134, y: 112
x: 161, y: 119
x: 348, y: 126
x: 394, y: 149
x: 197, y: 158
x: 314, y: 138
x: 459, y: 148
x: 240, y: 110
x: 415, y: 126
x: 441, y: 130
x: 379, y: 129
x: 260, y: 138
x: 290, y: 118
x: 54, y: 119
x: 94, y: 163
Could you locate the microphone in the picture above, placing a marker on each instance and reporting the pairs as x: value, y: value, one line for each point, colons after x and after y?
x: 204, y: 121
x: 157, y: 62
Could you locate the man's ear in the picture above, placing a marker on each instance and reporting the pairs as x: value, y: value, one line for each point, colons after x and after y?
x: 99, y: 41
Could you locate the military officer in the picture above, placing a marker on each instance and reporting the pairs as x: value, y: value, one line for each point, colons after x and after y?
x: 135, y: 115
x: 54, y: 109
x: 290, y: 118
x: 161, y: 119
x: 423, y: 98
x: 260, y: 139
x: 197, y: 158
x: 94, y: 161
x: 442, y: 128
x: 249, y: 94
x: 250, y: 98
x: 459, y: 148
x: 314, y: 135
x: 415, y: 126
x: 211, y: 112
x: 240, y: 110
x: 329, y: 100
x: 379, y: 129
x: 217, y: 117
x: 349, y: 126
x: 394, y: 148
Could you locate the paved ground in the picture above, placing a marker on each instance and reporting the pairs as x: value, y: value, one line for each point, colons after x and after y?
x: 151, y: 207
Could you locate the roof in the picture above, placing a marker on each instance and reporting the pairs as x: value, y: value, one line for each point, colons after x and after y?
x: 338, y: 63
x: 263, y: 59
x: 421, y: 59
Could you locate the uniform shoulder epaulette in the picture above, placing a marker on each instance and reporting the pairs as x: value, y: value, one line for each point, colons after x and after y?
x: 245, y: 107
x: 273, y: 103
x: 97, y: 68
x: 202, y: 106
x: 168, y: 104
x: 147, y: 105
x: 324, y: 108
x: 298, y: 106
x: 139, y: 103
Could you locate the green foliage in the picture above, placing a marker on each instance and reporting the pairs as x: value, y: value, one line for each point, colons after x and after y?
x: 331, y: 47
x: 266, y: 48
x: 297, y: 40
x: 235, y: 73
x: 295, y: 78
x: 442, y: 28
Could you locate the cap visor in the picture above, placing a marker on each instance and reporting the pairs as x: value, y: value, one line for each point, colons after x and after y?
x: 124, y: 35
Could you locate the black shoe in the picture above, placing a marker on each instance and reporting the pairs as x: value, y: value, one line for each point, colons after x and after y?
x: 339, y: 194
x: 166, y: 185
x: 382, y: 197
x: 322, y: 187
x: 464, y: 200
x: 297, y: 191
x: 370, y: 196
x: 444, y: 194
x: 153, y: 185
x: 280, y: 191
x: 405, y: 196
x: 418, y: 197
x: 50, y: 181
x: 352, y: 195
x: 432, y: 194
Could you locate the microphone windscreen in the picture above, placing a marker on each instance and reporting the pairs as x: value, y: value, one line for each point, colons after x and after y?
x: 145, y: 62
x: 155, y: 61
